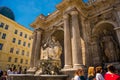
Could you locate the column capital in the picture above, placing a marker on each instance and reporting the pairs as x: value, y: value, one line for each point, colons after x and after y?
x: 34, y: 32
x: 74, y: 12
x: 39, y: 30
x: 65, y: 16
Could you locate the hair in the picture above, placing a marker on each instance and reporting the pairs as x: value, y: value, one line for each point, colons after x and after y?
x: 81, y: 73
x: 98, y: 69
x: 77, y: 72
x: 4, y: 72
x: 91, y: 71
x: 111, y: 68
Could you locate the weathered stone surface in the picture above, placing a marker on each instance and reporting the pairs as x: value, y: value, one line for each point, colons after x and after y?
x: 89, y: 33
x: 41, y: 77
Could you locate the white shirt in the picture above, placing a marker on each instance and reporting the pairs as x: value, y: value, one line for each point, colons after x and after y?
x: 99, y: 76
x: 76, y: 77
x: 9, y: 72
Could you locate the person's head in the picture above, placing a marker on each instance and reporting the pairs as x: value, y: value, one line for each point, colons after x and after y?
x: 4, y: 72
x: 111, y: 68
x: 81, y: 72
x: 10, y: 69
x: 77, y: 72
x: 98, y: 69
x: 91, y: 71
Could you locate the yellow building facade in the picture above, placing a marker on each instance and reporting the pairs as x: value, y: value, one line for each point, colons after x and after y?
x: 15, y: 44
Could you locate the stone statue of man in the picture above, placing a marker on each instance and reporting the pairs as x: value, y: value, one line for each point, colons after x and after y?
x: 53, y: 49
x: 110, y: 48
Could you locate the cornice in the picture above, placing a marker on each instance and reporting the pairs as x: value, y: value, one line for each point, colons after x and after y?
x: 84, y: 10
x: 17, y: 25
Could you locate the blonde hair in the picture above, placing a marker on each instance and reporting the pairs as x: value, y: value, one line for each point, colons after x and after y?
x: 91, y: 71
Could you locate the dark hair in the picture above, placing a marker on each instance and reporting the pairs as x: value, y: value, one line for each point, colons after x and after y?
x: 111, y: 68
x: 98, y: 69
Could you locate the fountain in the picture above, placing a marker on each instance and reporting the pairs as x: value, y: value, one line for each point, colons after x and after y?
x: 48, y: 67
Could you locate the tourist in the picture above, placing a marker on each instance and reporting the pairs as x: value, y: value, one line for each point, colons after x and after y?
x: 9, y: 71
x: 15, y: 71
x: 111, y: 75
x: 25, y: 71
x: 1, y: 73
x: 81, y: 74
x: 98, y: 73
x: 91, y: 73
x: 76, y: 77
x: 4, y: 76
x: 20, y: 70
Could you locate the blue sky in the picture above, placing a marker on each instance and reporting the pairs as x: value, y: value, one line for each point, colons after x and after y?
x: 26, y: 11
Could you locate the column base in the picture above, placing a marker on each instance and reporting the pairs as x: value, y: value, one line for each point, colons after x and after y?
x: 67, y: 66
x: 77, y: 66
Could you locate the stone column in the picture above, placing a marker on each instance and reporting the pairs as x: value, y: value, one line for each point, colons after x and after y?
x: 76, y: 41
x: 33, y: 49
x: 38, y: 47
x: 67, y: 43
x: 96, y: 53
x: 118, y: 33
x: 117, y: 27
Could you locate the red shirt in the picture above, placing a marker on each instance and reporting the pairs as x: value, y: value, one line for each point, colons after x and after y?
x: 111, y: 76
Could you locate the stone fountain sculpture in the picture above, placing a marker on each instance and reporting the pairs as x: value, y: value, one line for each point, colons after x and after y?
x: 50, y: 62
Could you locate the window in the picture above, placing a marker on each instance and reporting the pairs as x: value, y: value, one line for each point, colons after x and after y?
x: 27, y: 53
x: 3, y: 36
x: 1, y: 46
x: 23, y: 52
x: 1, y: 25
x: 17, y: 51
x: 19, y: 42
x: 14, y: 39
x: 16, y: 59
x: 24, y: 44
x: 28, y: 44
x: 11, y: 50
x: 16, y: 31
x: 9, y: 59
x: 20, y: 33
x: 29, y: 38
x: 0, y: 33
x: 21, y: 61
x: 26, y: 62
x: 25, y: 35
x: 6, y: 27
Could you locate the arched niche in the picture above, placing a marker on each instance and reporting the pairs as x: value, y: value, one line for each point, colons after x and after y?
x: 107, y: 42
x: 59, y: 35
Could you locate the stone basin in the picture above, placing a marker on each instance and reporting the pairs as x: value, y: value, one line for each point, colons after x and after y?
x: 40, y: 77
